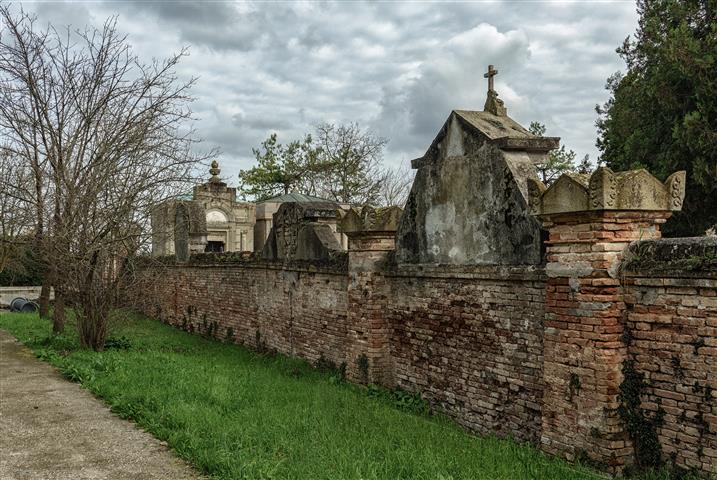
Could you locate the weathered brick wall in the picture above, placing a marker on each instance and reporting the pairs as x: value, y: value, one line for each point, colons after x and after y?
x: 496, y: 348
x: 295, y: 311
x: 470, y: 341
x: 583, y: 330
x: 671, y: 330
x: 672, y: 325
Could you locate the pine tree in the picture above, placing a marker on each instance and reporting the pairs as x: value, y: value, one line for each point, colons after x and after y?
x: 662, y: 114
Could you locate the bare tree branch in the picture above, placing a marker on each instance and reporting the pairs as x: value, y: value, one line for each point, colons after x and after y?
x: 104, y: 138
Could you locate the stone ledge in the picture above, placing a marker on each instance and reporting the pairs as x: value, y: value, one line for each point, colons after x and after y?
x: 481, y: 272
x: 337, y: 264
x: 530, y: 144
x: 671, y: 279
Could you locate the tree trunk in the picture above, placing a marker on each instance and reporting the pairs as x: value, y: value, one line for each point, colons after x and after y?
x: 58, y: 313
x: 93, y: 323
x: 45, y: 298
x: 49, y: 275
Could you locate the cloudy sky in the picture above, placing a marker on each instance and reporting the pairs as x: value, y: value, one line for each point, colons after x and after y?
x: 397, y: 68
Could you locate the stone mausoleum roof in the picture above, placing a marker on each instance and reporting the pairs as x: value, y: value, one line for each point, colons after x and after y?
x: 494, y: 126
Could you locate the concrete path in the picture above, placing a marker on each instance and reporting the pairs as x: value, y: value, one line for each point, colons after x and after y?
x: 53, y: 429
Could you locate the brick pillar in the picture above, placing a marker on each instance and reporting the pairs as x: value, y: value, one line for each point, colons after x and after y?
x: 368, y: 335
x: 371, y: 235
x: 590, y: 223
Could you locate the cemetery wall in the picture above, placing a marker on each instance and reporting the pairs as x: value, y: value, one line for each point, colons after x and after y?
x: 299, y: 312
x: 470, y: 341
x: 671, y: 332
x: 473, y: 340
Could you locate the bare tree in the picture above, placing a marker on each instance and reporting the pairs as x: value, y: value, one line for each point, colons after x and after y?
x: 106, y: 137
x: 354, y: 161
x: 16, y: 212
x: 395, y: 186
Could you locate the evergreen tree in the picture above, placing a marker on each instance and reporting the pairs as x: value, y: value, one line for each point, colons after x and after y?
x: 281, y: 169
x: 343, y: 164
x: 662, y: 114
x: 585, y: 166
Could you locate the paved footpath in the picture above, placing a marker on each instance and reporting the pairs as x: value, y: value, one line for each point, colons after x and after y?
x: 53, y: 429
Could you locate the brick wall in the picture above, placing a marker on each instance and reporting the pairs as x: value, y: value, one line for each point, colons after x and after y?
x: 470, y: 341
x: 672, y: 327
x: 295, y: 311
x: 583, y: 352
x: 540, y: 354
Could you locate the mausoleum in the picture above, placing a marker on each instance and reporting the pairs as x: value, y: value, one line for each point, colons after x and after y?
x: 228, y: 224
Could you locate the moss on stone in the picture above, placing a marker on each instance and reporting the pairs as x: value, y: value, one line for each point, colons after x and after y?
x: 672, y: 254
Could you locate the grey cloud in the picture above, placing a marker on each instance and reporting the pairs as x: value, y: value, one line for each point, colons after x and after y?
x: 397, y: 67
x: 217, y: 25
x: 62, y: 14
x: 262, y: 124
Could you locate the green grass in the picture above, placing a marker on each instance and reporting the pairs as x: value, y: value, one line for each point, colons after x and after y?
x: 236, y: 414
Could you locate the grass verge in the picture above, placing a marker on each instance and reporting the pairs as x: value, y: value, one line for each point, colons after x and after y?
x: 236, y: 414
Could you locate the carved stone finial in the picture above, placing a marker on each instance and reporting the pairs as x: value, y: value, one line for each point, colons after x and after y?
x: 676, y: 187
x: 214, y: 171
x: 603, y: 189
x: 535, y: 191
x: 370, y: 219
x: 608, y: 190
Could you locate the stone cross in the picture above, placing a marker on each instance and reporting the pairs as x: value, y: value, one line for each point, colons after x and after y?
x: 489, y: 75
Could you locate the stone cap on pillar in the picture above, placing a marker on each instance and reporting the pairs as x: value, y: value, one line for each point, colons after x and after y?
x: 607, y: 190
x: 371, y: 220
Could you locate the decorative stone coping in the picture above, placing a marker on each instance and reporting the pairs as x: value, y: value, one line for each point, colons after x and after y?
x: 370, y: 219
x: 607, y: 190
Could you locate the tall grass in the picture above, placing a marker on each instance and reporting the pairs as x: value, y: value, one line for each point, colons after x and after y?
x: 237, y: 414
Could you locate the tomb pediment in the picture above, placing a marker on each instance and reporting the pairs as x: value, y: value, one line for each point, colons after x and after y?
x: 303, y: 231
x: 501, y: 131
